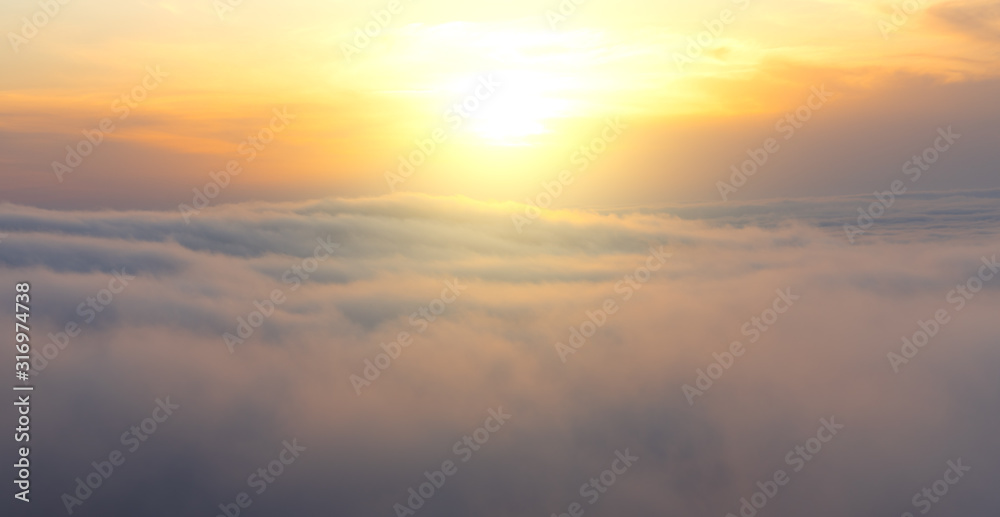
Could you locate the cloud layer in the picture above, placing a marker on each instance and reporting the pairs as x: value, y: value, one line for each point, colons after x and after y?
x: 490, y: 340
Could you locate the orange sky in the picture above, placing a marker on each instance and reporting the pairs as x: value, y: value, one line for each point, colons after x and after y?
x: 361, y: 102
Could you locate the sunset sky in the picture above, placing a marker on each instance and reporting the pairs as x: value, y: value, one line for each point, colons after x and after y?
x: 691, y: 111
x: 692, y: 233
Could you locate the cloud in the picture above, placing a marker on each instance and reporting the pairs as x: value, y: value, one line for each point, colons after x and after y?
x: 977, y: 19
x: 494, y: 345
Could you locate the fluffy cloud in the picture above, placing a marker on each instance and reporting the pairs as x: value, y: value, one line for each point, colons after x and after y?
x: 494, y: 344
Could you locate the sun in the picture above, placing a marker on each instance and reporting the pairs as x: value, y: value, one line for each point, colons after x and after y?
x: 513, y: 119
x: 520, y: 111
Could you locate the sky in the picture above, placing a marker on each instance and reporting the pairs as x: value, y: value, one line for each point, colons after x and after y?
x: 696, y: 85
x: 729, y: 258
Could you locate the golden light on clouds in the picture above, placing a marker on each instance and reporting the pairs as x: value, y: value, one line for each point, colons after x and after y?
x: 589, y: 206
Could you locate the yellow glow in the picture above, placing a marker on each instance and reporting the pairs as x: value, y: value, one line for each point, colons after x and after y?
x: 511, y: 121
x: 521, y: 111
x: 558, y: 82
